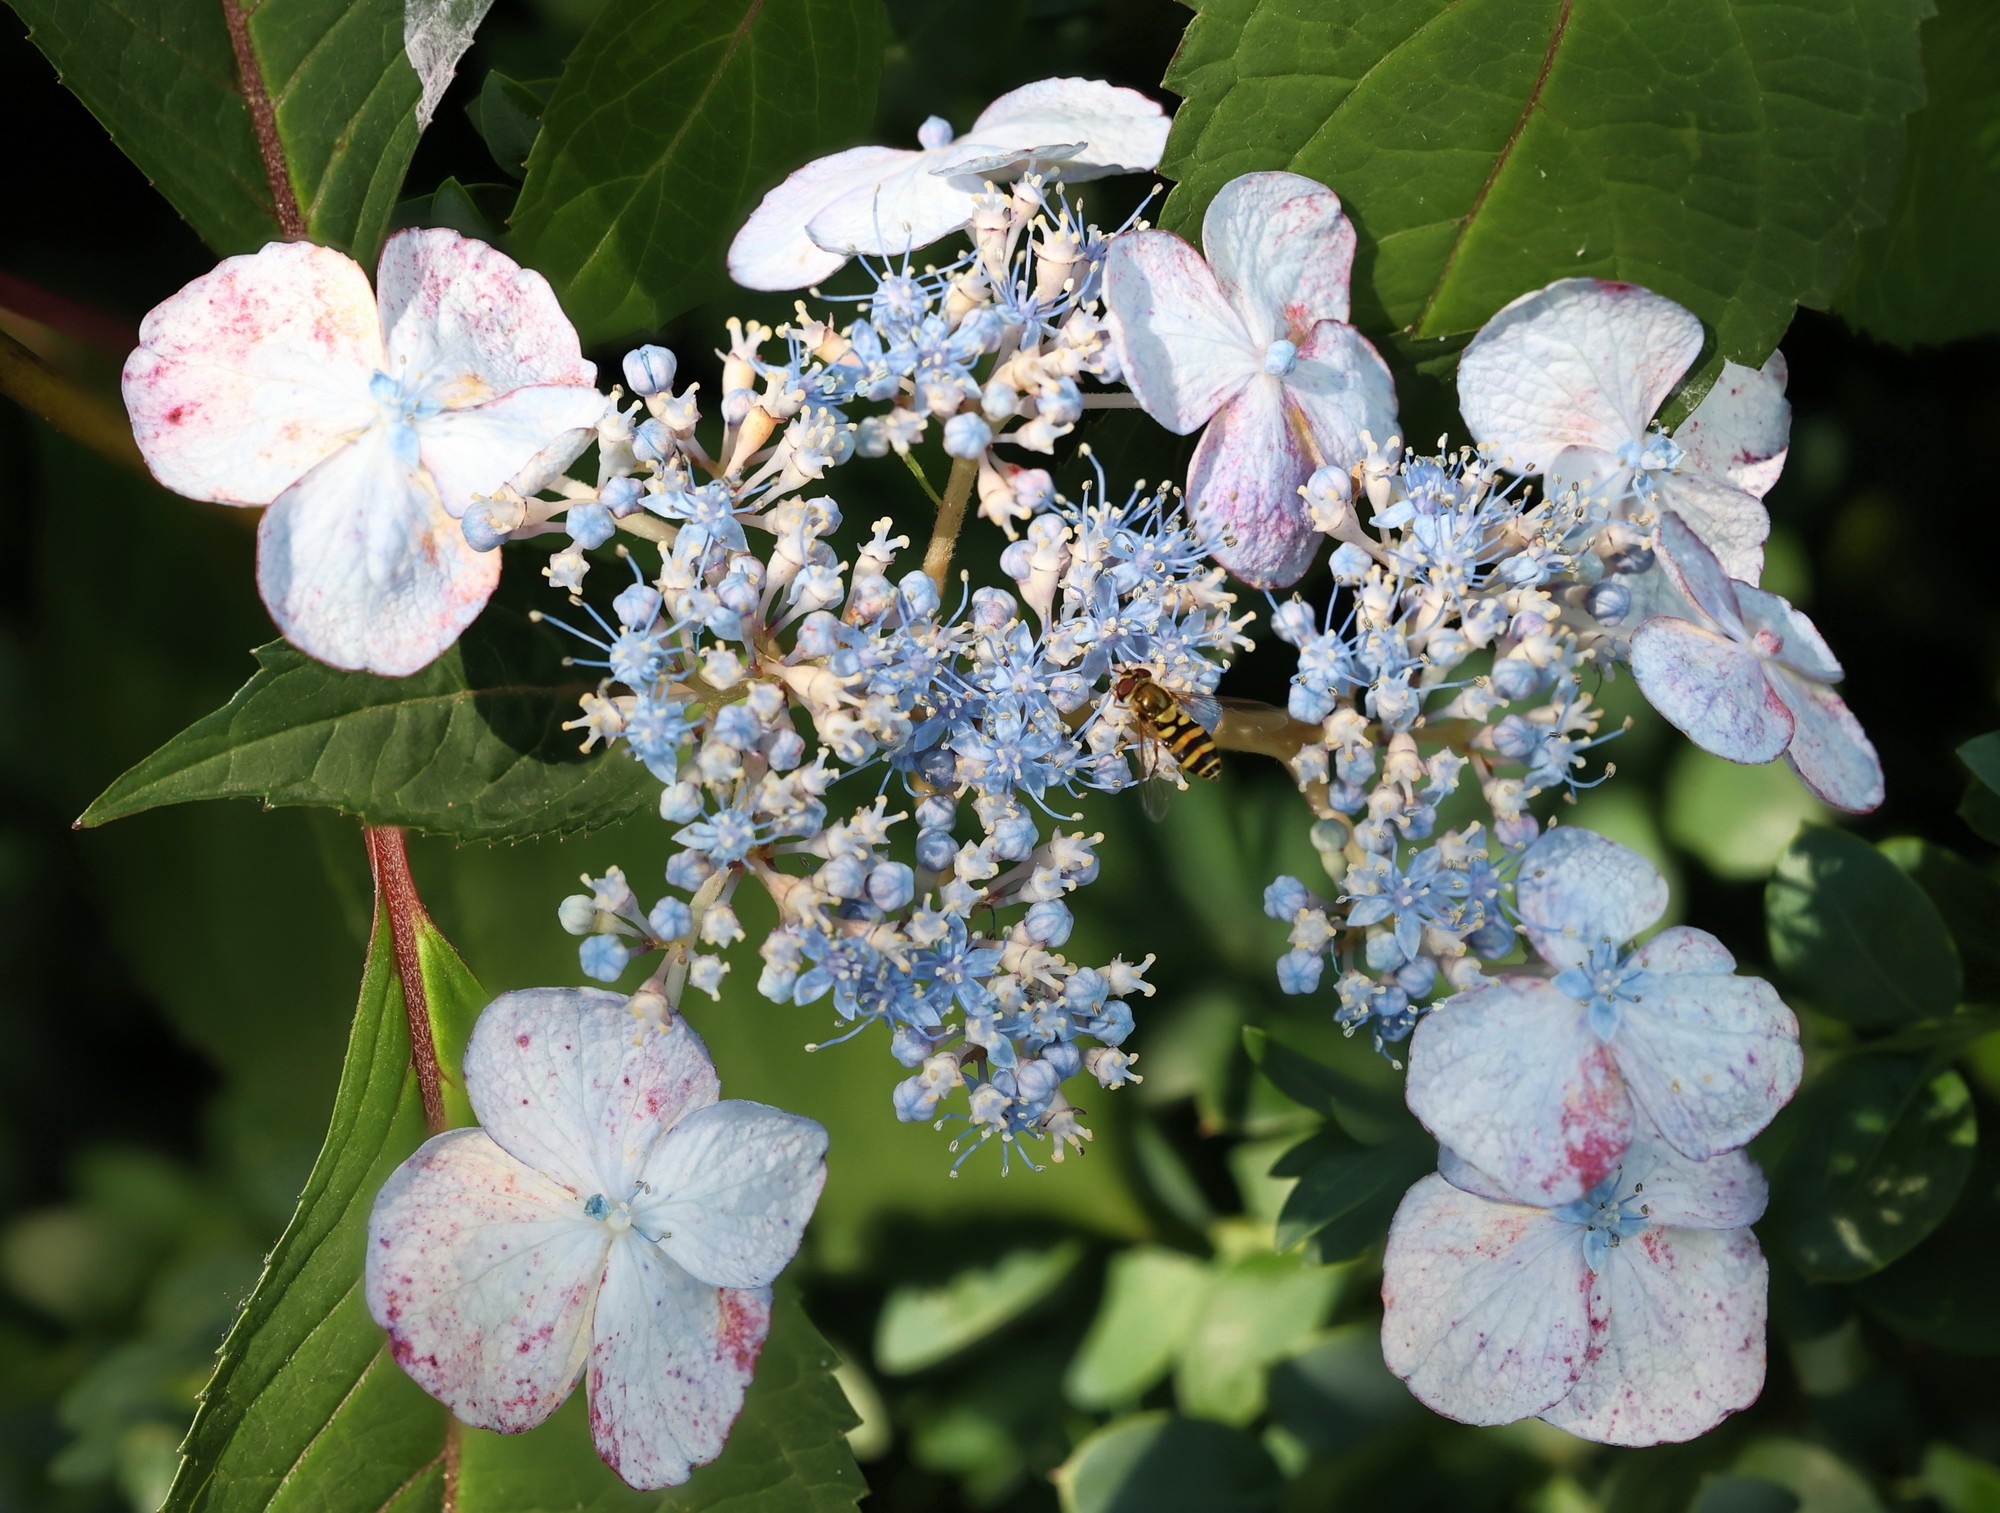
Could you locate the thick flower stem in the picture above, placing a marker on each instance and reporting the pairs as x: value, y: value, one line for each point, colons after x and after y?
x: 950, y: 518
x: 264, y: 122
x: 396, y: 900
x: 70, y: 408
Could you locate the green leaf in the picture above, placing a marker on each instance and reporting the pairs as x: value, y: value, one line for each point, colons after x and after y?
x: 1941, y: 1293
x: 1151, y: 1297
x: 1879, y: 1152
x: 1961, y: 1483
x: 1368, y: 1113
x: 1736, y: 818
x: 1981, y: 809
x: 304, y: 1394
x: 1723, y: 152
x: 1347, y: 1192
x: 1253, y: 1313
x: 1968, y: 900
x: 507, y: 114
x: 1157, y: 1463
x: 669, y: 123
x: 1926, y: 276
x: 1857, y: 935
x: 162, y: 77
x: 1744, y: 1494
x: 1336, y: 1394
x: 921, y: 1326
x: 471, y: 747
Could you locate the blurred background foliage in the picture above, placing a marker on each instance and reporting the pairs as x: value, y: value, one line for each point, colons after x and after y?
x: 1186, y: 1320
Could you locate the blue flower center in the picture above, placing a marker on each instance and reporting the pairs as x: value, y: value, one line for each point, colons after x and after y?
x: 1605, y: 983
x: 1608, y: 1216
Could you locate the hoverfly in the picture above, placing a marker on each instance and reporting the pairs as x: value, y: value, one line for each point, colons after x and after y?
x: 1174, y: 730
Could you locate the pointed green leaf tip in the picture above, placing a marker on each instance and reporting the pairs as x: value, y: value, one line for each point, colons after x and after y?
x: 669, y: 124
x: 162, y: 77
x: 307, y: 1410
x: 471, y: 747
x: 1724, y: 152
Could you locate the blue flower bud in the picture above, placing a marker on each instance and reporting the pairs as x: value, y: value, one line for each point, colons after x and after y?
x: 689, y: 869
x: 1514, y: 738
x: 671, y: 919
x: 1285, y: 897
x: 680, y: 803
x: 938, y: 767
x: 622, y: 496
x: 1382, y: 952
x: 998, y: 401
x: 914, y: 1100
x: 649, y: 370
x: 578, y: 913
x: 936, y: 811
x: 637, y: 607
x: 652, y: 442
x: 819, y: 634
x: 1417, y: 977
x: 483, y: 531
x: 967, y: 435
x: 590, y: 525
x: 603, y: 958
x: 1064, y: 1059
x: 1516, y: 678
x: 1299, y: 971
x: 891, y: 886
x: 1493, y: 939
x: 1049, y: 922
x: 843, y: 877
x: 920, y: 595
x: 1292, y: 622
x: 1349, y: 563
x: 1609, y: 602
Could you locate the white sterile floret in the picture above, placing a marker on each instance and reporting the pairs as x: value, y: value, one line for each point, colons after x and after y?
x: 1632, y: 1316
x: 610, y: 1218
x: 1747, y: 677
x: 891, y: 200
x: 1564, y: 382
x: 1542, y: 1081
x: 367, y: 421
x: 1252, y: 342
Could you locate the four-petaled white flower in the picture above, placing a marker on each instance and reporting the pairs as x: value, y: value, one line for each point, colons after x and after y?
x: 1565, y: 382
x: 1632, y: 1316
x: 367, y: 421
x: 888, y: 200
x: 1543, y: 1081
x: 1746, y: 676
x: 1254, y: 343
x: 608, y: 1214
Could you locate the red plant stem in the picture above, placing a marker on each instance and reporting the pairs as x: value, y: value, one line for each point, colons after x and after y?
x: 264, y: 122
x: 396, y: 897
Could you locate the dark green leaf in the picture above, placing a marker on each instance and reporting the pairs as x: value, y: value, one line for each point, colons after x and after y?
x: 1926, y: 276
x: 1337, y: 1395
x: 1880, y: 1149
x: 305, y: 1394
x: 1969, y: 901
x: 161, y: 76
x: 474, y: 210
x: 1724, y: 152
x: 1981, y: 809
x: 1942, y: 1293
x: 1254, y: 1312
x: 668, y: 124
x: 1961, y: 1483
x: 1857, y: 934
x: 1347, y: 1192
x: 1157, y: 1463
x: 1151, y: 1297
x: 471, y: 747
x: 1367, y: 1113
x: 1744, y: 1494
x: 507, y: 114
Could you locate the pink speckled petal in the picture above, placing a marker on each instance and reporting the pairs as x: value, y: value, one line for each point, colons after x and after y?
x: 1731, y: 523
x: 897, y: 211
x: 1713, y: 689
x: 1709, y: 1057
x: 1283, y: 250
x: 1466, y: 1177
x: 1486, y: 1307
x: 732, y: 1186
x: 1691, y: 565
x: 255, y: 373
x: 1343, y: 388
x: 1685, y: 1346
x: 1682, y: 948
x: 464, y: 323
x: 1243, y: 487
x: 772, y: 251
x: 361, y: 567
x: 1583, y: 362
x: 1725, y: 1192
x: 484, y: 1272
x: 1183, y: 350
x: 567, y: 1080
x: 1511, y: 1078
x: 1121, y: 129
x: 1830, y: 751
x: 1742, y: 429
x: 1794, y: 642
x: 474, y: 451
x: 1577, y: 890
x: 669, y: 1366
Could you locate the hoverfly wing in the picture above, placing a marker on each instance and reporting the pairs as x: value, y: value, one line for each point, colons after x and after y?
x: 1203, y: 709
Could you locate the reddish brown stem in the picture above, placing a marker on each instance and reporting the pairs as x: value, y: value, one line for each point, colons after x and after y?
x: 264, y: 122
x: 396, y: 897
